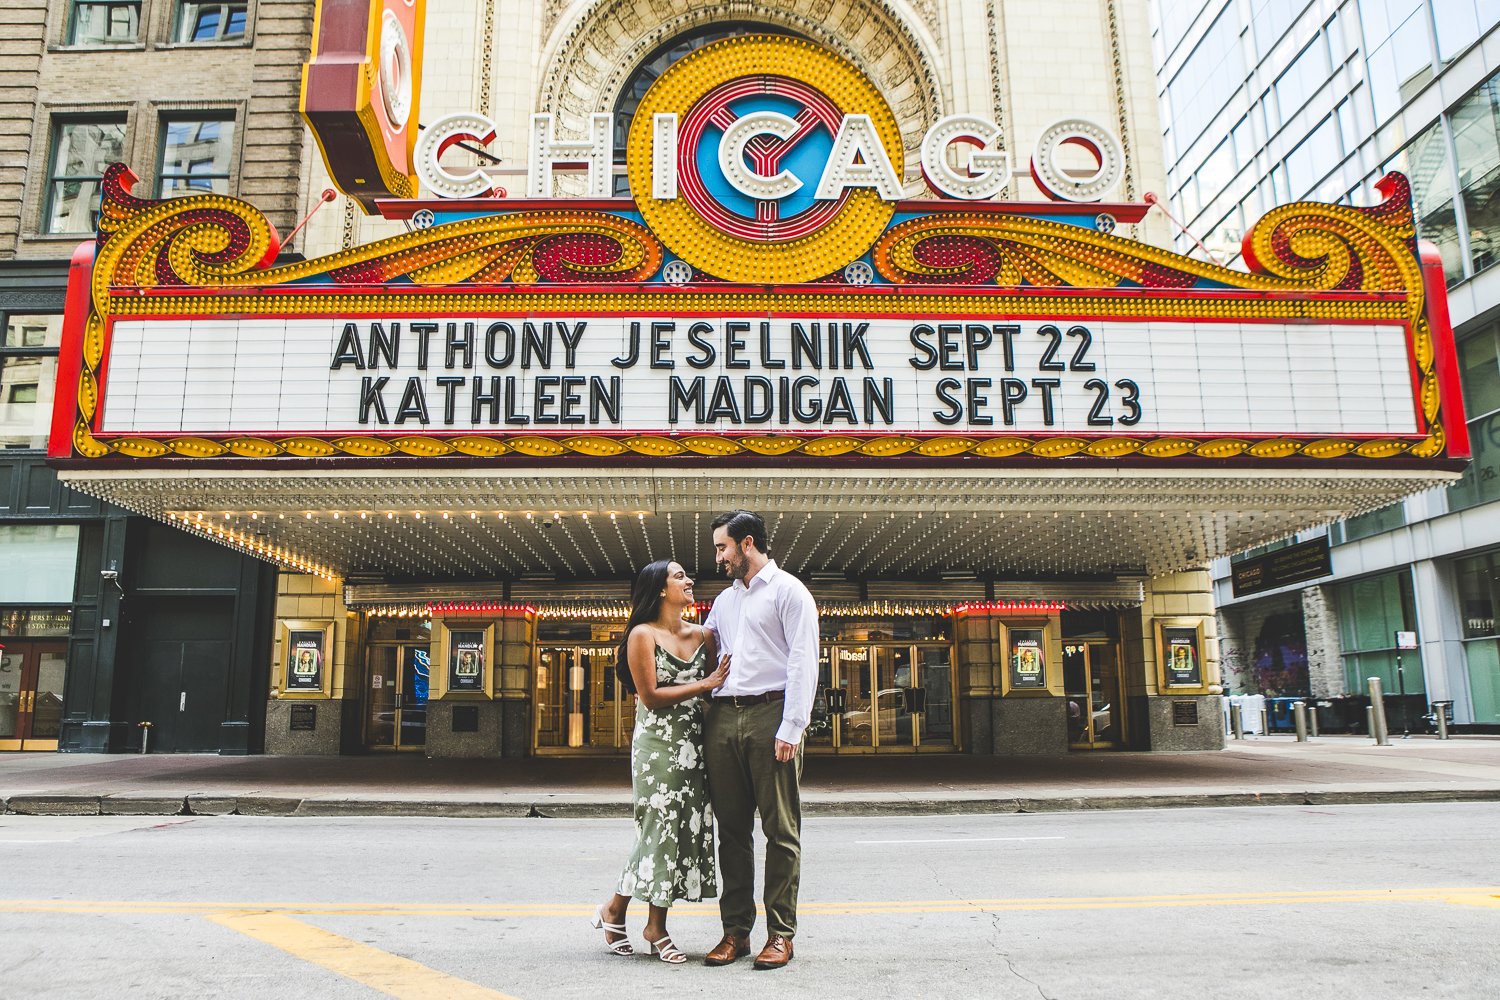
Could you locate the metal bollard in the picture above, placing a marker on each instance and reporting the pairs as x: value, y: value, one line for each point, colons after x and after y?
x: 1312, y: 720
x: 1442, y: 721
x: 1236, y: 721
x: 1299, y: 719
x: 1265, y: 722
x: 1369, y: 720
x: 1377, y: 706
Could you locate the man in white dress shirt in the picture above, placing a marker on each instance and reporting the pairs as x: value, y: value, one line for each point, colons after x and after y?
x: 767, y: 621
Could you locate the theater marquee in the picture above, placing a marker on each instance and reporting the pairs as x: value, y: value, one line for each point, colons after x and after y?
x: 767, y: 291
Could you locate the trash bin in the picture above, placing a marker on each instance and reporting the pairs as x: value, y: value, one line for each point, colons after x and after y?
x: 1280, y: 712
x: 1344, y: 714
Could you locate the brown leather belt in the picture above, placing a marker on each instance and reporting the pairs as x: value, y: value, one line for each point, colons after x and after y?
x: 743, y: 700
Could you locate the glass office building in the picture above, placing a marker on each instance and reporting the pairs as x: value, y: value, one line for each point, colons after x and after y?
x: 1270, y: 101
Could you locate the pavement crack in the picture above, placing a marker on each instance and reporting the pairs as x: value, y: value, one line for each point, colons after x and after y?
x: 1010, y: 963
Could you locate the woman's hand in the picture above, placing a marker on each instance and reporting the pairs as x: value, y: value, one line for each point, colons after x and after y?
x: 716, y: 680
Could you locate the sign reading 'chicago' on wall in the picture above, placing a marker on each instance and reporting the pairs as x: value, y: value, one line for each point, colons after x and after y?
x: 771, y: 287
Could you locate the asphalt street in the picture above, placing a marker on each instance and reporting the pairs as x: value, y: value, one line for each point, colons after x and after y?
x: 1360, y: 901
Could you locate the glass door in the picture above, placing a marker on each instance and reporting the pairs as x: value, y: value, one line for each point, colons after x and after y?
x: 1091, y: 680
x: 396, y: 717
x: 580, y: 703
x: 885, y: 697
x: 31, y: 690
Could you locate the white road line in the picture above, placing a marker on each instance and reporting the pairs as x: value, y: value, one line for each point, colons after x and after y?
x: 957, y: 840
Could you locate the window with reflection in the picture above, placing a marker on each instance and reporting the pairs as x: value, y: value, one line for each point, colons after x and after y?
x: 1479, y: 371
x: 1370, y: 611
x: 210, y: 22
x: 1475, y: 123
x: 1398, y: 50
x: 1459, y: 23
x: 1207, y: 79
x: 195, y: 156
x: 1307, y: 72
x: 1270, y: 20
x: 104, y: 22
x: 1425, y: 161
x: 28, y: 372
x: 79, y: 151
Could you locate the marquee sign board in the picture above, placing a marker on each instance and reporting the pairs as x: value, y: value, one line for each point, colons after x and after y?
x: 762, y: 294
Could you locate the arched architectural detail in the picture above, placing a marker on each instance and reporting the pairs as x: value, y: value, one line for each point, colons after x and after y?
x: 592, y: 56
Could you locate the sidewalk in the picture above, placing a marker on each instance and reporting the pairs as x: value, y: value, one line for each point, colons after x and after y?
x: 1268, y: 770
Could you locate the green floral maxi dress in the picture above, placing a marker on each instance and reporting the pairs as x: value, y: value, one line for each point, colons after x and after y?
x: 674, y: 849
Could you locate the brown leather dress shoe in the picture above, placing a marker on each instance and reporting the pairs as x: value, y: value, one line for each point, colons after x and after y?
x: 776, y: 953
x: 729, y: 949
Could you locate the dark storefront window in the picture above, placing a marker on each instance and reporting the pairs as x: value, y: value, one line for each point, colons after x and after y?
x: 1479, y: 604
x: 1479, y: 370
x: 1371, y: 611
x: 28, y: 373
x: 78, y: 153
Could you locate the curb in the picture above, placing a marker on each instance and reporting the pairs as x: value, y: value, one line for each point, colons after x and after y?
x: 125, y: 804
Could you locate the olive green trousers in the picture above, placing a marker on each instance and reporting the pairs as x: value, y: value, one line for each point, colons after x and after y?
x: 744, y: 777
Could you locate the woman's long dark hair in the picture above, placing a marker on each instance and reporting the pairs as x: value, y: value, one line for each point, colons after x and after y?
x: 645, y: 605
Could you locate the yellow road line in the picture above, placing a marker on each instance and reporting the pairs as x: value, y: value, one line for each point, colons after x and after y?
x: 1469, y: 895
x: 379, y: 970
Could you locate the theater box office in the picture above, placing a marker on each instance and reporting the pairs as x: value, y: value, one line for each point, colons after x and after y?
x: 999, y: 441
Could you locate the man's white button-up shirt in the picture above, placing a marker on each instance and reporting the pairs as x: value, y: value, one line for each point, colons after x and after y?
x: 771, y: 629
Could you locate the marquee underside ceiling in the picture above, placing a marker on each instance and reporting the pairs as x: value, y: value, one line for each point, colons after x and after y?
x: 865, y: 524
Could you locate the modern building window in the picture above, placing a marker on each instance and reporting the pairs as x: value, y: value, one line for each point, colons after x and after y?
x: 1475, y: 123
x: 1269, y: 21
x: 80, y: 150
x: 210, y: 22
x: 104, y: 22
x: 1319, y: 153
x: 1206, y: 80
x: 1459, y: 24
x: 1398, y: 50
x: 1479, y: 370
x: 1426, y: 162
x: 1364, y: 525
x: 195, y: 156
x: 1307, y: 73
x: 28, y: 372
x: 1371, y: 611
x: 1479, y: 603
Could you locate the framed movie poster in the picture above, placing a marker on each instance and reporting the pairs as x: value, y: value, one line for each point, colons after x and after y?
x: 1027, y: 667
x: 466, y: 660
x: 1179, y: 650
x: 305, y: 649
x: 464, y: 655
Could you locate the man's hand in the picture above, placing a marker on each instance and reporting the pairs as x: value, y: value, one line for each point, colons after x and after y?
x: 785, y: 751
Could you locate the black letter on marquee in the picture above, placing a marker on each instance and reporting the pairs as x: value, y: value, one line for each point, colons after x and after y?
x: 413, y: 400
x: 369, y: 396
x: 511, y: 416
x: 928, y: 359
x: 423, y: 332
x: 734, y: 343
x: 572, y: 385
x: 542, y: 398
x: 459, y: 343
x: 758, y: 393
x: 348, y: 352
x: 481, y: 399
x: 798, y: 384
x: 1046, y: 385
x: 536, y: 343
x: 634, y: 355
x: 766, y: 361
x: 697, y: 334
x: 678, y: 395
x: 606, y: 397
x: 979, y: 337
x: 840, y: 404
x: 661, y: 345
x: 450, y: 384
x: 977, y: 400
x: 1012, y: 392
x: 722, y: 403
x: 571, y: 339
x: 383, y: 346
x: 880, y: 397
x: 1007, y: 335
x: 945, y: 389
x: 854, y: 343
x: 806, y: 345
x: 508, y: 358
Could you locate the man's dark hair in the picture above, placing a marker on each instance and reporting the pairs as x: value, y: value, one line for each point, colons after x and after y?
x: 742, y: 524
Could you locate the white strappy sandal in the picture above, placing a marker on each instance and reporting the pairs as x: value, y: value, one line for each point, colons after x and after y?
x: 621, y: 946
x: 667, y: 951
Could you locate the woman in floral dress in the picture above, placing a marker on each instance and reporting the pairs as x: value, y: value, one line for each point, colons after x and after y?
x: 664, y: 661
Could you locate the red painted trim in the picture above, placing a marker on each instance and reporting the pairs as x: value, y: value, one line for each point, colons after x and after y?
x: 70, y: 351
x: 399, y: 208
x: 1445, y: 353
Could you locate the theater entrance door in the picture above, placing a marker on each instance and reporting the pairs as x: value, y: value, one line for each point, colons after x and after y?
x: 580, y: 704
